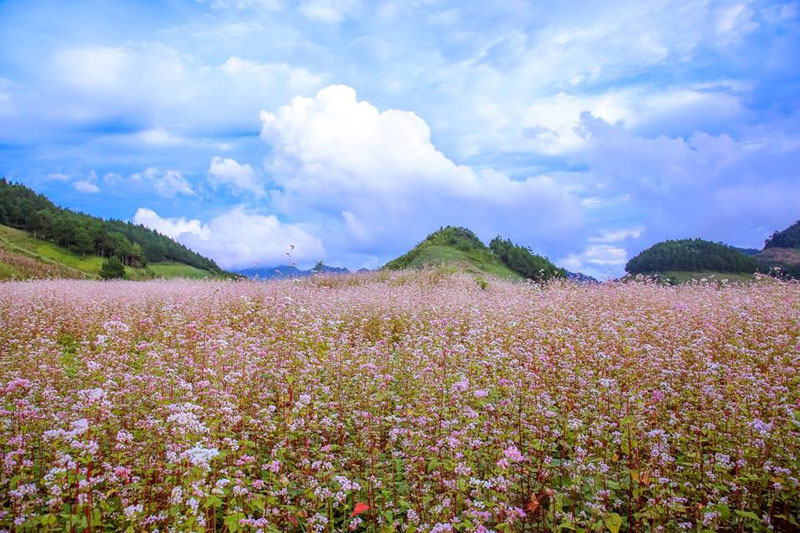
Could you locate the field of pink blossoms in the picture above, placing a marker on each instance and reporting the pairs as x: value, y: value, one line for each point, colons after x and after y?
x: 402, y: 402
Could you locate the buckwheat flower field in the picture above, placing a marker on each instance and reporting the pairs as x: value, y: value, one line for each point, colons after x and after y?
x: 402, y: 402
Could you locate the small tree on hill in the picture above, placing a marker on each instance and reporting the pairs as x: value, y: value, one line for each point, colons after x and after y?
x: 112, y: 268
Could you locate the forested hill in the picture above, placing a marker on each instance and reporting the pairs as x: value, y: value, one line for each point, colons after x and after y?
x: 691, y: 255
x: 788, y: 238
x: 135, y: 245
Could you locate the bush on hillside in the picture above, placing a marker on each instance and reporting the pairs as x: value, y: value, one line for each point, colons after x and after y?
x: 112, y: 268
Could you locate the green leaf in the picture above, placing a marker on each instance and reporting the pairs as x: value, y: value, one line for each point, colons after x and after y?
x: 213, y: 501
x: 613, y: 522
x: 747, y: 514
x: 232, y: 521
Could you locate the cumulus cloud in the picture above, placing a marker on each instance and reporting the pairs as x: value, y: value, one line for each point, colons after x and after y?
x: 171, y: 227
x: 377, y: 177
x: 238, y: 238
x: 240, y: 179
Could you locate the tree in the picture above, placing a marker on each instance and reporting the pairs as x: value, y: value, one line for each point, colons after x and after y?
x: 84, y: 244
x: 112, y: 268
x: 318, y: 267
x: 524, y: 262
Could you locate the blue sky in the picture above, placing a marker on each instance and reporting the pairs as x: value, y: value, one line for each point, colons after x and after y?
x: 352, y: 129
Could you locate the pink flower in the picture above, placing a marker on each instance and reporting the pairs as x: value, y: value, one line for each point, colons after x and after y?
x: 18, y: 383
x: 513, y: 454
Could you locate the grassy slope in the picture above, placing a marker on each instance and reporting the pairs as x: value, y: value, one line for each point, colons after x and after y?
x: 57, y: 261
x: 178, y: 270
x: 474, y: 261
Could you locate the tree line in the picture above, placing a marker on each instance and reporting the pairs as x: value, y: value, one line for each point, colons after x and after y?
x: 524, y: 262
x: 788, y: 238
x: 134, y: 245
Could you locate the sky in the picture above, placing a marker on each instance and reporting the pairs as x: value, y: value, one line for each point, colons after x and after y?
x: 351, y: 129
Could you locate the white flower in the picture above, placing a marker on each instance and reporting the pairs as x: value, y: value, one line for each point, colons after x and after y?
x: 199, y: 456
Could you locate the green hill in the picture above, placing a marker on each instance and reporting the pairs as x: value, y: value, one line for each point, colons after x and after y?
x: 23, y: 256
x: 781, y: 253
x: 687, y: 259
x: 691, y: 255
x: 135, y: 245
x: 39, y: 239
x: 460, y: 248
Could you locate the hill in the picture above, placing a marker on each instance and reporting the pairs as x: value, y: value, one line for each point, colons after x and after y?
x: 781, y: 253
x: 462, y: 249
x: 691, y: 255
x: 788, y: 238
x: 40, y: 239
x: 23, y: 256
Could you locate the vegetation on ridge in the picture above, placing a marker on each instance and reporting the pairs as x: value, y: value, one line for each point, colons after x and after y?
x: 522, y: 260
x: 691, y: 255
x: 788, y: 238
x: 461, y: 247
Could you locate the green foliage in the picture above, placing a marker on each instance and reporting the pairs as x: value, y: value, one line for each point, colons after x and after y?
x: 134, y: 245
x: 524, y: 262
x: 788, y: 238
x: 691, y: 255
x: 112, y: 268
x: 177, y: 270
x: 456, y: 245
x: 457, y: 237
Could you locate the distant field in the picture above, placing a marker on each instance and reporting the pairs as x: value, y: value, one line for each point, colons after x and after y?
x: 399, y: 401
x: 178, y: 270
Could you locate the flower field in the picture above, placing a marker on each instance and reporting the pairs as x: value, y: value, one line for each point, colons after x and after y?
x: 399, y: 402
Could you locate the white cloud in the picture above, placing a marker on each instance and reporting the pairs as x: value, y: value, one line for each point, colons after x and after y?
x: 713, y: 187
x: 86, y: 187
x: 171, y: 227
x: 240, y: 179
x: 238, y: 238
x: 603, y: 261
x: 377, y: 176
x: 617, y: 235
x: 169, y: 183
x: 172, y: 94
